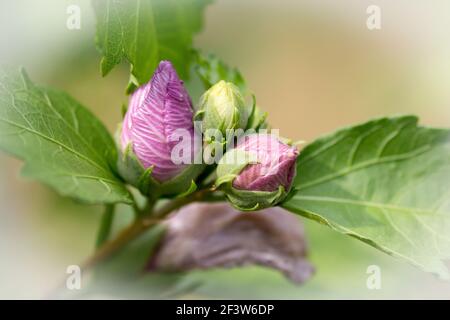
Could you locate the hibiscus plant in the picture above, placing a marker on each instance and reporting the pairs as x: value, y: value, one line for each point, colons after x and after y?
x: 211, y: 183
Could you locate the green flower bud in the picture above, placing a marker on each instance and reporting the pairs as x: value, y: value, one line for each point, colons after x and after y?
x: 222, y: 107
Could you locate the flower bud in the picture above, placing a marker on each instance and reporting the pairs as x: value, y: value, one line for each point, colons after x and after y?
x: 222, y: 108
x: 258, y: 172
x: 214, y: 235
x: 158, y: 113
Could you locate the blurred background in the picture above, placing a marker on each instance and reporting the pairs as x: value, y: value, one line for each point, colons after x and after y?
x: 313, y: 65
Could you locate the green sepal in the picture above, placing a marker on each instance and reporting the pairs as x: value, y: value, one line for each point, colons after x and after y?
x: 144, y: 183
x: 191, y: 189
x: 245, y: 200
x: 132, y: 85
x: 124, y: 109
x: 198, y: 116
x: 129, y: 166
x: 257, y: 118
x: 181, y: 184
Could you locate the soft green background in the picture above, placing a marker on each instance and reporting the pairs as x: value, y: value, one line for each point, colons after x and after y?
x: 313, y: 65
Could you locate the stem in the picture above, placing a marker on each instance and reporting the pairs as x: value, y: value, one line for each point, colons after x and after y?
x: 149, y: 206
x: 141, y: 224
x: 105, y: 225
x: 135, y: 206
x: 111, y: 246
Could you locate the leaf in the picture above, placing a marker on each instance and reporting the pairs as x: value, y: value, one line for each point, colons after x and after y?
x: 62, y: 143
x: 146, y: 32
x: 385, y: 182
x: 211, y: 70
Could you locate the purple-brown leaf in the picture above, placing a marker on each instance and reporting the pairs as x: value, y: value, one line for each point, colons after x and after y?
x: 202, y: 236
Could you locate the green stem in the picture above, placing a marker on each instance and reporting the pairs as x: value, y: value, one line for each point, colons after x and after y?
x: 136, y: 209
x: 105, y: 225
x: 149, y: 206
x: 140, y: 225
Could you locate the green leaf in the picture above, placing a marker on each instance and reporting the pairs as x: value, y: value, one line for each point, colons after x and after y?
x: 62, y: 143
x: 146, y: 32
x: 211, y: 70
x: 387, y: 183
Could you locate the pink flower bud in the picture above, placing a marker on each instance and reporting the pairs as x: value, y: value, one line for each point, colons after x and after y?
x: 156, y: 110
x: 275, y: 165
x: 258, y: 172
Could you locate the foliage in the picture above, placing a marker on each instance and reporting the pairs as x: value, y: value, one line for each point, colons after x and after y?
x: 385, y: 182
x: 62, y: 143
x: 146, y: 32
